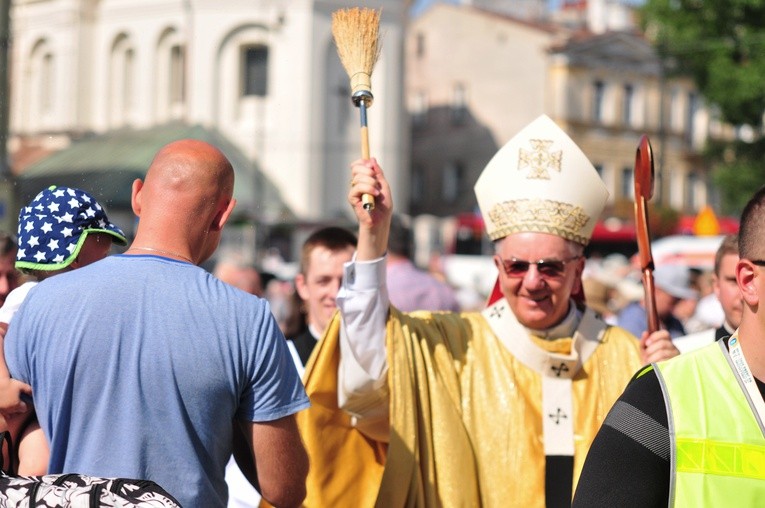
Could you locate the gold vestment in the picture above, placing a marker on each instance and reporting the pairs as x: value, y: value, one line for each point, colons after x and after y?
x: 466, y: 422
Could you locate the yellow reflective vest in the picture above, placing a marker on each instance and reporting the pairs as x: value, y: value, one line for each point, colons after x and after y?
x: 717, y: 442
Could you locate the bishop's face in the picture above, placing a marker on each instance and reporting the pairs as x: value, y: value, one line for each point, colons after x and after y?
x: 538, y: 272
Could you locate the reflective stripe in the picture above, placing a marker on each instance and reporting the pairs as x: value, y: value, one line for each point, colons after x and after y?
x: 719, y: 458
x: 639, y: 427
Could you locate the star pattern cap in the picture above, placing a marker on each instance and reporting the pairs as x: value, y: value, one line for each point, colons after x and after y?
x: 54, y: 226
x: 541, y: 181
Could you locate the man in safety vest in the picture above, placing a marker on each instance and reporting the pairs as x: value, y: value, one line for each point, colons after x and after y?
x: 689, y: 431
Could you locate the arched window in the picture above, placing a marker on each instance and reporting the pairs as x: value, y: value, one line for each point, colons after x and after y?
x: 598, y: 99
x: 254, y: 70
x: 121, y: 81
x: 452, y: 182
x: 170, y: 76
x: 41, y: 95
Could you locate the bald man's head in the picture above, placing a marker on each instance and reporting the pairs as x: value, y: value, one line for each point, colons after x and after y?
x: 190, y: 165
x: 186, y: 196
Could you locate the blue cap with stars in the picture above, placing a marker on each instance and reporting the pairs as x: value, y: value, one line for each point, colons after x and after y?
x: 54, y: 226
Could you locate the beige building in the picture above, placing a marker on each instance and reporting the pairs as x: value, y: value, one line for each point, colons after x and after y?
x: 476, y: 77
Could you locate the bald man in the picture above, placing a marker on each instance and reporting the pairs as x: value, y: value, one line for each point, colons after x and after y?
x: 140, y: 362
x: 234, y: 269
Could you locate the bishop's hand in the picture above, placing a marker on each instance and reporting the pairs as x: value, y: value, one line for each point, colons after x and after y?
x: 374, y: 225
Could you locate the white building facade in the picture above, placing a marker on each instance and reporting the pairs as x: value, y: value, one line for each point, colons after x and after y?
x: 265, y: 73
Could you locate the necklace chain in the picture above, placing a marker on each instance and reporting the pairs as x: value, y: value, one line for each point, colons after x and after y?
x: 174, y: 254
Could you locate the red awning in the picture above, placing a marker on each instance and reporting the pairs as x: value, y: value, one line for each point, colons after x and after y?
x: 614, y: 230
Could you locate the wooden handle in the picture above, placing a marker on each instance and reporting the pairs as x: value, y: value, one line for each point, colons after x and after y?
x: 644, y: 180
x: 367, y: 200
x: 650, y: 301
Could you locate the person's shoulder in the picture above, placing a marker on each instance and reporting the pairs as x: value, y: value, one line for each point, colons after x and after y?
x: 622, y: 332
x: 18, y: 294
x: 304, y: 336
x: 441, y: 294
x: 631, y: 317
x: 693, y: 341
x: 643, y: 389
x: 593, y: 320
x: 438, y: 317
x: 631, y: 309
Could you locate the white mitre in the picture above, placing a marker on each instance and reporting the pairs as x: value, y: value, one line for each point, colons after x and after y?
x: 540, y: 181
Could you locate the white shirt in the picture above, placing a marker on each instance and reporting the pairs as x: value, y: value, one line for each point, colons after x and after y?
x: 14, y: 300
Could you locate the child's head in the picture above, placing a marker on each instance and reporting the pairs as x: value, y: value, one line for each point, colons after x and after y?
x: 63, y: 228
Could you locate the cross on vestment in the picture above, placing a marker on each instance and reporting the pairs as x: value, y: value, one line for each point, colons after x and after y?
x: 557, y: 416
x: 559, y: 369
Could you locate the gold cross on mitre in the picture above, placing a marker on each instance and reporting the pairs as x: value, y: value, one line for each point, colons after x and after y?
x: 540, y: 159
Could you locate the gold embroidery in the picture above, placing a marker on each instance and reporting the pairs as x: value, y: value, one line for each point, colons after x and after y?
x: 541, y: 216
x: 540, y: 160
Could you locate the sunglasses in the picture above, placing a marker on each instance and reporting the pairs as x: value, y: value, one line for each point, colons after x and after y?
x: 549, y: 269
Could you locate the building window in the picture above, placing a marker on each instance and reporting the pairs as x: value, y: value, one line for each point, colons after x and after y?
x: 46, y: 82
x: 417, y: 192
x: 38, y: 99
x: 177, y: 92
x: 122, y: 79
x: 690, y: 191
x: 628, y: 183
x: 676, y: 110
x: 254, y: 71
x: 598, y: 93
x: 459, y: 104
x: 628, y: 98
x: 690, y: 124
x: 420, y: 109
x: 419, y: 45
x: 170, y: 82
x: 127, y: 99
x: 452, y: 181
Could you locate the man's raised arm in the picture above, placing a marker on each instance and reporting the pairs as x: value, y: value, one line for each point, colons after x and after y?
x: 363, y: 303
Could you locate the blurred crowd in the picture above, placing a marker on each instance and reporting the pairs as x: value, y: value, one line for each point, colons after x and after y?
x: 612, y: 285
x: 685, y: 299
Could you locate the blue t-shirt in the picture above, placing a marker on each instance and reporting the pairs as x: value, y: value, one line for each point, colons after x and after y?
x: 634, y: 319
x: 139, y: 364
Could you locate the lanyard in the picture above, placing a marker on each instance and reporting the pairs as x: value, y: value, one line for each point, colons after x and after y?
x: 746, y: 377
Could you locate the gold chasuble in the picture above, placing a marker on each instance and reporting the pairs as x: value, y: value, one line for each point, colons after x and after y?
x: 466, y: 411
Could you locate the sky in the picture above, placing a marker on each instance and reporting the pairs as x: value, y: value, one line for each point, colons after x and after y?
x: 419, y: 6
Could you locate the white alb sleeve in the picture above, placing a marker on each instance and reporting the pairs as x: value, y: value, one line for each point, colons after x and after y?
x: 362, y: 376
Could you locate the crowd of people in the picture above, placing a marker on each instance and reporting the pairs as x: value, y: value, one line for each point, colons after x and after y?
x: 375, y: 388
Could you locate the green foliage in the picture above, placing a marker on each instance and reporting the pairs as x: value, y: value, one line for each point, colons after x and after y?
x: 740, y: 171
x: 721, y: 44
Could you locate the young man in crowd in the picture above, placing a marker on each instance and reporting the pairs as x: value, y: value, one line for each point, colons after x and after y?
x: 728, y: 295
x: 322, y: 258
